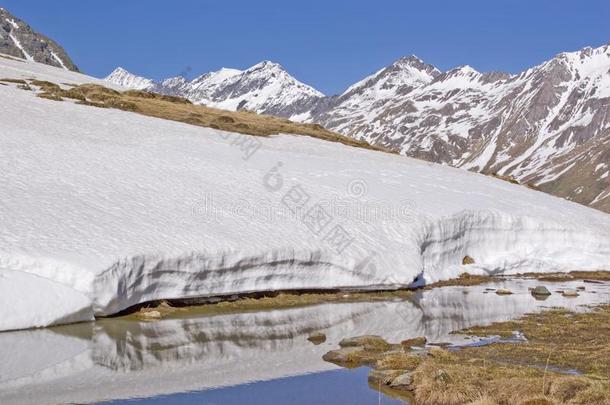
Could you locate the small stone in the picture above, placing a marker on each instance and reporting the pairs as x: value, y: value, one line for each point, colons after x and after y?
x: 541, y: 290
x: 383, y: 376
x: 503, y: 291
x: 417, y: 342
x: 343, y: 356
x: 442, y: 376
x: 402, y: 380
x: 317, y: 338
x: 467, y: 260
x: 570, y: 293
x: 440, y: 344
x: 581, y: 288
x: 368, y: 342
x: 593, y: 281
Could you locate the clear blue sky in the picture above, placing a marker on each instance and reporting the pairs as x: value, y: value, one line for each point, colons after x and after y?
x: 327, y: 44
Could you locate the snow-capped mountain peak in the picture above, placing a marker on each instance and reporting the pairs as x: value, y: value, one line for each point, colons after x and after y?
x: 265, y: 88
x: 124, y: 78
x: 532, y: 125
x: 414, y: 62
x: 216, y: 77
x: 265, y: 65
x: 409, y: 71
x: 548, y: 126
x: 175, y: 81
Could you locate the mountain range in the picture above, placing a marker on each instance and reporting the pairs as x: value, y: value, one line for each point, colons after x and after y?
x: 18, y: 39
x: 547, y: 127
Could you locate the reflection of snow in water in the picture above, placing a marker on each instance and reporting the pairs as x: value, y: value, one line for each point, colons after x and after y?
x: 116, y: 358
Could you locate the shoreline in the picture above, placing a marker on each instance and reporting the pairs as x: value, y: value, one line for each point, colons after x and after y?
x: 297, y: 298
x: 556, y: 356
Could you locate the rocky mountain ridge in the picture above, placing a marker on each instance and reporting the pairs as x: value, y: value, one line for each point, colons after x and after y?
x: 548, y: 126
x: 18, y: 39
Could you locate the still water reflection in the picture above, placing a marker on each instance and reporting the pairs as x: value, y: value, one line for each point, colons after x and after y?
x: 226, y: 358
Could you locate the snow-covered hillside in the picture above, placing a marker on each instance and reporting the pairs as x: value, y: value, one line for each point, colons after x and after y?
x: 548, y: 126
x: 123, y: 208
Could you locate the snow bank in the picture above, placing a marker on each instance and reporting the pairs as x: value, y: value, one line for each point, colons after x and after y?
x: 30, y: 301
x: 125, y: 209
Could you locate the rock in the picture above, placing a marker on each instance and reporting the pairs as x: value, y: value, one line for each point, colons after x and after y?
x: 402, y: 380
x: 28, y: 41
x: 418, y: 342
x: 467, y: 260
x: 344, y: 355
x: 541, y: 290
x: 150, y: 315
x: 317, y: 338
x: 441, y: 376
x: 580, y: 288
x: 503, y: 291
x: 368, y: 342
x: 383, y: 376
x: 440, y: 344
x: 570, y: 293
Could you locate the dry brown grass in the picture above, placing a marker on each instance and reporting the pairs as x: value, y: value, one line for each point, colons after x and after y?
x: 573, y: 275
x: 16, y: 81
x: 457, y: 380
x: 505, y: 178
x: 398, y: 361
x: 506, y: 374
x: 49, y: 96
x: 47, y: 86
x: 181, y: 110
x: 267, y: 301
x: 564, y: 339
x: 464, y: 280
